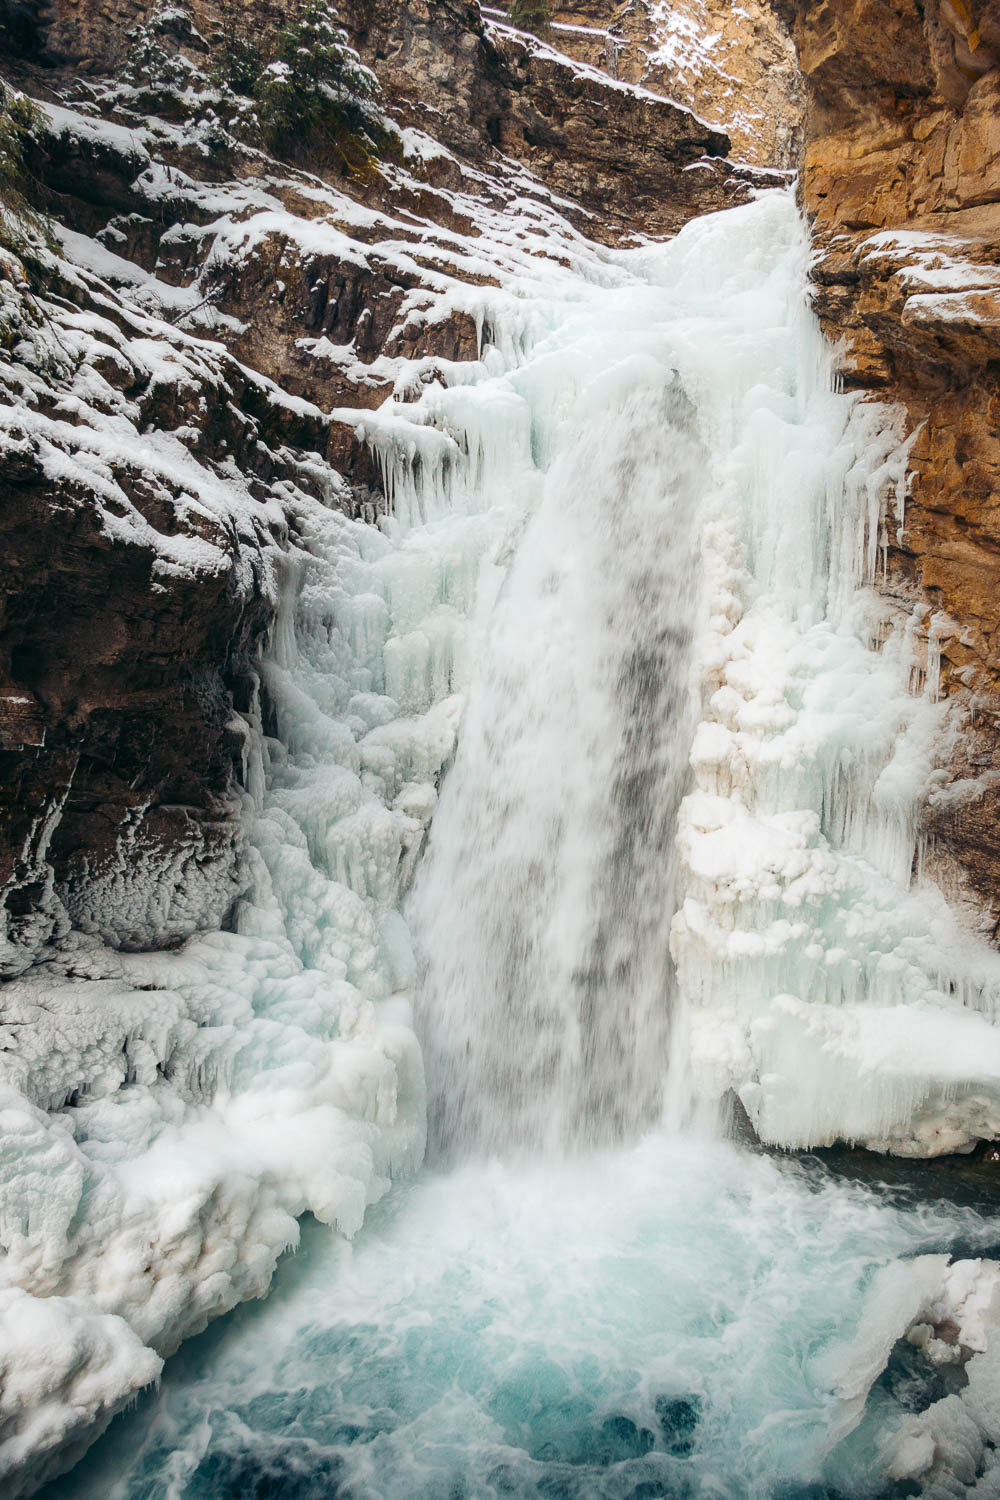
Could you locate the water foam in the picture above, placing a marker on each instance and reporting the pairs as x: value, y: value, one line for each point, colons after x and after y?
x: 664, y: 1320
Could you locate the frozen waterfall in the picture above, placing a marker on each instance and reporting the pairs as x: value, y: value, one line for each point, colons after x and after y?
x: 687, y: 615
x: 671, y: 854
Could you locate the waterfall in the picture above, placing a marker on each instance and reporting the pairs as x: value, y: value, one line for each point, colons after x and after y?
x: 543, y: 903
x: 689, y: 691
x: 671, y: 853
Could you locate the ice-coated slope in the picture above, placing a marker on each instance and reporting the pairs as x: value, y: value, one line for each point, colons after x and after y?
x: 167, y: 1117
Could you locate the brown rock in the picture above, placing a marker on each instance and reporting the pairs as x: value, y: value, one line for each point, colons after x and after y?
x: 734, y: 66
x: 902, y: 180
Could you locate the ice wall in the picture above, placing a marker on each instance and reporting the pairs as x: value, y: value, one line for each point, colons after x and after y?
x: 168, y: 1117
x: 711, y: 506
x: 823, y: 978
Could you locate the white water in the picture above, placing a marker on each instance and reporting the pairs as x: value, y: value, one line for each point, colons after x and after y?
x: 664, y: 1320
x: 672, y: 857
x: 543, y: 904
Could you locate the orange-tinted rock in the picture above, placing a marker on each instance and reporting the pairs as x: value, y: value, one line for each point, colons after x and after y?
x: 735, y: 66
x: 902, y: 181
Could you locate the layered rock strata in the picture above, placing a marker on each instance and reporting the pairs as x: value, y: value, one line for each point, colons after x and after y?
x: 734, y: 66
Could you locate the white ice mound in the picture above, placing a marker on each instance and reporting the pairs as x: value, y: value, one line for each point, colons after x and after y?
x: 166, y: 1118
x: 825, y: 980
x: 65, y: 1369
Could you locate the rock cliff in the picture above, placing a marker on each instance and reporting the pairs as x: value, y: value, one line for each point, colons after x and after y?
x: 901, y: 178
x: 734, y: 65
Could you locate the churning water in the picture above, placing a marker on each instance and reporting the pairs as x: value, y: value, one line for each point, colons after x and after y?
x: 672, y: 854
x: 668, y: 1319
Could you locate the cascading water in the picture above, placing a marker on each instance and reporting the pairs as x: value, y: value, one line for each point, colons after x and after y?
x: 543, y: 903
x: 672, y: 857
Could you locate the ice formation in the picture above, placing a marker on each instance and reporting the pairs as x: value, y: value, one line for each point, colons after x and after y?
x: 638, y: 532
x: 168, y: 1116
x: 712, y: 513
x: 826, y: 980
x: 939, y: 1320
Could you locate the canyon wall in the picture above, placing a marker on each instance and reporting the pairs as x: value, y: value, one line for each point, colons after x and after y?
x: 901, y: 178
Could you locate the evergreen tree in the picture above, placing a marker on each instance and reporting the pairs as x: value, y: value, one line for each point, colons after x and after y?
x: 299, y: 90
x: 316, y: 81
x: 20, y: 221
x: 238, y: 48
x: 154, y: 65
x: 530, y: 15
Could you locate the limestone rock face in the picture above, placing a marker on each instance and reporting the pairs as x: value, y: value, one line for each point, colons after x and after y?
x: 630, y: 159
x: 902, y: 181
x: 620, y: 154
x: 735, y: 66
x: 587, y: 139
